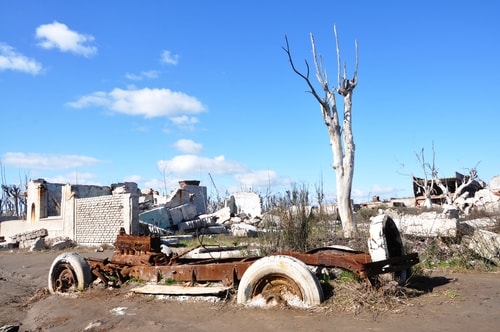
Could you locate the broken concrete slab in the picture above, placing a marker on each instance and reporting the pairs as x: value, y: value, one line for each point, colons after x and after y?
x: 244, y: 230
x: 220, y: 216
x: 29, y: 235
x: 494, y: 185
x: 194, y: 224
x: 486, y: 244
x: 481, y: 223
x: 158, y: 216
x: 249, y: 203
x: 188, y: 211
x: 61, y: 244
x: 37, y: 244
x: 214, y: 229
x: 189, y: 193
x: 180, y: 290
x: 488, y: 200
x: 176, y: 216
x: 427, y: 224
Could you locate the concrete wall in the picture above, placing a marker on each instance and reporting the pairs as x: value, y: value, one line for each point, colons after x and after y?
x: 88, y: 215
x: 99, y: 219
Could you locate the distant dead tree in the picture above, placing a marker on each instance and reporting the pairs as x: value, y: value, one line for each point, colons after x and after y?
x: 339, y: 128
x: 13, y: 200
x: 428, y: 184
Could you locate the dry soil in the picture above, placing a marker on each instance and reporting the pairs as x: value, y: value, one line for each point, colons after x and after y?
x: 452, y: 302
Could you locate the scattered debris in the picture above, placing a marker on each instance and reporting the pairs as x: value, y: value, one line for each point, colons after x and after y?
x: 30, y: 235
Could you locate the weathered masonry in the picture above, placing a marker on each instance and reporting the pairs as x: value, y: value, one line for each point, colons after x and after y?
x: 86, y: 214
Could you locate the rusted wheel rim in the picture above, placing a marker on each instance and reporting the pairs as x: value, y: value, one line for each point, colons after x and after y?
x: 65, y: 279
x: 277, y: 288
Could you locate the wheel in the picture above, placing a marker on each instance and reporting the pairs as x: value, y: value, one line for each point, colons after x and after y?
x: 385, y: 242
x: 69, y: 272
x: 279, y: 279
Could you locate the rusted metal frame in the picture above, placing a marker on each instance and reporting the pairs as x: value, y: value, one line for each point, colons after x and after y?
x: 392, y: 264
x: 139, y: 259
x: 228, y: 273
x: 354, y: 262
x: 132, y: 244
x: 104, y: 270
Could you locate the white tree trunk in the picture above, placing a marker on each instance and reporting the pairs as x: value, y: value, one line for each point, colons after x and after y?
x: 341, y: 137
x: 428, y: 202
x: 343, y: 165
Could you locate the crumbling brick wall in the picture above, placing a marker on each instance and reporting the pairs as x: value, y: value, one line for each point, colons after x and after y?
x: 99, y: 219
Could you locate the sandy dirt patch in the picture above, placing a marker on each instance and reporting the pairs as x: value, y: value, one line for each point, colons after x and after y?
x: 453, y: 302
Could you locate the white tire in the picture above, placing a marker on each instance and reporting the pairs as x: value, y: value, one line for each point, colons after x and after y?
x: 69, y: 272
x: 385, y: 242
x: 279, y: 279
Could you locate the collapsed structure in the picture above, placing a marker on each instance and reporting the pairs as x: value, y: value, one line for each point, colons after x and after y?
x: 92, y: 215
x: 451, y: 185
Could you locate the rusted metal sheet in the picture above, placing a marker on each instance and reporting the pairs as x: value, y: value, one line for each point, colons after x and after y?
x: 352, y: 261
x: 132, y: 244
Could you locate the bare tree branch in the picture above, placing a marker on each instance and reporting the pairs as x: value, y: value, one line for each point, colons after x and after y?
x: 306, y: 76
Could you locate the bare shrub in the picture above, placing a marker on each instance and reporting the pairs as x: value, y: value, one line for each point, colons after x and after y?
x: 292, y: 222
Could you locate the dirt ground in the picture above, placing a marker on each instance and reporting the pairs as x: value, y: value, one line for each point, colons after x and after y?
x: 453, y: 302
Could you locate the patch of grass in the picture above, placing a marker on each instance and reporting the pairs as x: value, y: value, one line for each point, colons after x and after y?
x: 134, y: 280
x: 347, y: 276
x: 451, y: 294
x: 171, y: 282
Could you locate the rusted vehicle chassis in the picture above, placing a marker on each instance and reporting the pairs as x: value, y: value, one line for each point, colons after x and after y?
x: 140, y: 257
x: 279, y: 277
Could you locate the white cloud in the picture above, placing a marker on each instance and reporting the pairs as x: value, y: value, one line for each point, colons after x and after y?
x: 163, y: 186
x: 169, y: 58
x: 46, y: 161
x: 74, y: 178
x: 260, y: 180
x: 257, y: 178
x: 58, y: 35
x: 188, y: 146
x: 133, y: 178
x: 11, y: 60
x: 192, y: 164
x: 146, y: 102
x: 383, y: 190
x: 184, y: 120
x: 151, y: 74
x: 98, y: 98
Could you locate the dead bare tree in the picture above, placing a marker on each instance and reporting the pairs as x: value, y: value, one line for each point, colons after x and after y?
x: 14, y: 200
x: 468, y: 180
x: 340, y: 132
x: 427, y: 185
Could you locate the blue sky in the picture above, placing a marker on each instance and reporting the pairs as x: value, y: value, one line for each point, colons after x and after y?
x: 99, y: 92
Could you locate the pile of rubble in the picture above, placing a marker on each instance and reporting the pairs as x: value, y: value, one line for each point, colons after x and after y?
x: 36, y: 240
x: 184, y: 212
x: 481, y: 235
